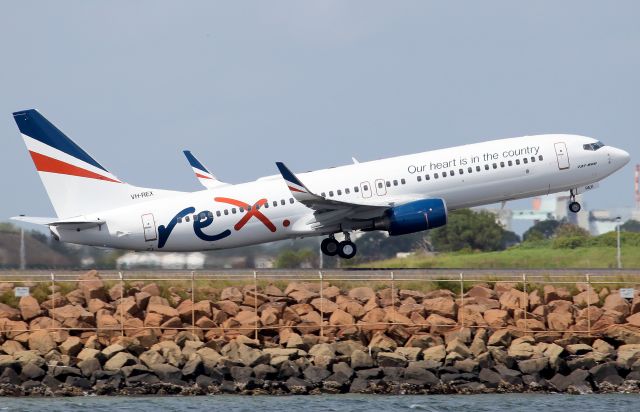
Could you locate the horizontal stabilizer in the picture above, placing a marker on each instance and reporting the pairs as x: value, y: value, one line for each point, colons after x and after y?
x: 76, y: 223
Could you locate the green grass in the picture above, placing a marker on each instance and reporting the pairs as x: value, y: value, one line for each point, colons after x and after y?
x: 521, y: 258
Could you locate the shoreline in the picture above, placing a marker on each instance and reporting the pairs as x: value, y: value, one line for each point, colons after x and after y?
x: 494, y: 338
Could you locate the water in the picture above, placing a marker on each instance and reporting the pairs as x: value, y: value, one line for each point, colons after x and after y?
x: 364, y: 403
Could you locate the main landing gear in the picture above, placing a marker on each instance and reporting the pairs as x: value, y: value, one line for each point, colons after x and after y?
x: 573, y: 205
x: 345, y: 249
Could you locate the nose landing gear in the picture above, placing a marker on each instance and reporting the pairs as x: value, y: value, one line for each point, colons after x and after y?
x: 345, y: 249
x: 573, y: 205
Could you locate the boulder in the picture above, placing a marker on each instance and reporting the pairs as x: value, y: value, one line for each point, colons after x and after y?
x: 361, y: 360
x: 588, y: 297
x: 72, y: 346
x: 341, y: 318
x: 501, y: 337
x: 628, y: 354
x: 29, y: 308
x: 41, y: 342
x: 120, y: 360
x: 324, y: 305
x: 391, y: 359
x: 533, y: 366
x: 496, y: 318
x: 615, y: 302
x: 442, y: 306
x: 316, y: 374
x: 577, y: 379
x: 435, y: 353
x: 362, y: 294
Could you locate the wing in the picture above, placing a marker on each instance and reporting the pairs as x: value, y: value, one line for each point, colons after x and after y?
x: 327, y: 212
x: 206, y: 178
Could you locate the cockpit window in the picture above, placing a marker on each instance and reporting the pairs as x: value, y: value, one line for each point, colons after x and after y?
x: 593, y: 146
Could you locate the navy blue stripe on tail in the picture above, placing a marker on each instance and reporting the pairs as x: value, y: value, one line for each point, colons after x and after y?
x: 33, y: 124
x: 194, y: 162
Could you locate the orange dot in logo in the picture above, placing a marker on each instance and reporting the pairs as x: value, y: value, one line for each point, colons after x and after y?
x: 286, y: 223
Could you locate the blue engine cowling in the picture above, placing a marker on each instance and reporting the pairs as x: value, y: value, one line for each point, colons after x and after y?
x: 416, y: 216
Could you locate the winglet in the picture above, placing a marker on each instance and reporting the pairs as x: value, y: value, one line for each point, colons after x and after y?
x: 297, y: 188
x: 205, y: 177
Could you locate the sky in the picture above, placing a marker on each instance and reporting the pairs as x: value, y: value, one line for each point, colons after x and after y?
x: 310, y: 83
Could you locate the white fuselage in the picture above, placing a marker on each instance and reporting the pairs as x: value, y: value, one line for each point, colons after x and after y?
x: 476, y: 174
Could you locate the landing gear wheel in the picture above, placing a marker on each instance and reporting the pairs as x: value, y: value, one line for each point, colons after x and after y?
x: 574, y: 207
x: 347, y: 249
x: 330, y: 246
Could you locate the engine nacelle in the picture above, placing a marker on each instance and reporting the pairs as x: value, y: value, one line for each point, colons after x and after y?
x: 413, y: 217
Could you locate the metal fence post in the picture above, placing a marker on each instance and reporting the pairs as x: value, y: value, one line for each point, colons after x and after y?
x: 461, y: 310
x: 526, y: 302
x: 393, y: 294
x: 255, y: 301
x: 53, y: 298
x: 121, y: 303
x: 321, y: 304
x: 588, y: 304
x: 193, y: 302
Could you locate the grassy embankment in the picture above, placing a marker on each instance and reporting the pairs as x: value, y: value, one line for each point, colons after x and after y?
x: 521, y: 258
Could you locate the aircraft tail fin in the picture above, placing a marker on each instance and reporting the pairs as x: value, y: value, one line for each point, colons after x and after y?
x: 204, y: 176
x: 75, y: 182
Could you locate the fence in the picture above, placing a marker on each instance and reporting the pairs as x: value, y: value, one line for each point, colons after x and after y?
x: 197, y: 286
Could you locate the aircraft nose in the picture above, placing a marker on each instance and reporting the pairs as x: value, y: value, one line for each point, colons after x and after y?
x: 621, y: 157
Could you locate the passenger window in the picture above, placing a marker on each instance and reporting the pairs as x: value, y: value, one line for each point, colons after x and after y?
x: 540, y: 157
x: 460, y: 171
x: 486, y: 167
x: 495, y: 166
x: 339, y: 192
x: 533, y: 159
x: 218, y: 213
x: 380, y: 185
x: 242, y: 209
x: 477, y: 168
x: 179, y: 220
x: 266, y: 205
x: 470, y: 169
x: 346, y: 191
x: 226, y: 212
x: 186, y: 218
x: 501, y: 164
x: 275, y: 203
x: 330, y: 193
x: 356, y: 189
x: 282, y: 202
x: 517, y: 161
x: 233, y: 210
x: 525, y: 160
x: 435, y: 175
x: 451, y: 173
x: 444, y: 174
x: 427, y: 177
x: 291, y: 200
x: 323, y: 194
x: 395, y: 183
x: 419, y: 178
x: 365, y: 187
x: 402, y: 181
x: 510, y: 163
x: 388, y: 184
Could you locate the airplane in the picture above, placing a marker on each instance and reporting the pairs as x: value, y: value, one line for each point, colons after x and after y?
x: 399, y: 195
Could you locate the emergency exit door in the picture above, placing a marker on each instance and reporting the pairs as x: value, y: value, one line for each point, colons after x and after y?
x: 149, y: 227
x: 562, y: 155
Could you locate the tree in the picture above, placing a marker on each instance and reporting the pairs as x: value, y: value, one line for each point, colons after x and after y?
x: 378, y: 245
x: 544, y: 229
x: 631, y: 225
x: 290, y: 259
x: 467, y: 229
x: 569, y: 230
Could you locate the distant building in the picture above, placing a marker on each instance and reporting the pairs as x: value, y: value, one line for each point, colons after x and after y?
x: 189, y: 261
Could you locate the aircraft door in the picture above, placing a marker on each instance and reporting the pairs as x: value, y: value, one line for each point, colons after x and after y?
x: 365, y: 189
x: 149, y: 227
x: 381, y: 189
x: 562, y: 155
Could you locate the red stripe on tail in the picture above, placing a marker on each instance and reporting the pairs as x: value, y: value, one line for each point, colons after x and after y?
x: 49, y: 164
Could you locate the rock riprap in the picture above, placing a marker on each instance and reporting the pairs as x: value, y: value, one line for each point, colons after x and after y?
x: 142, y: 339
